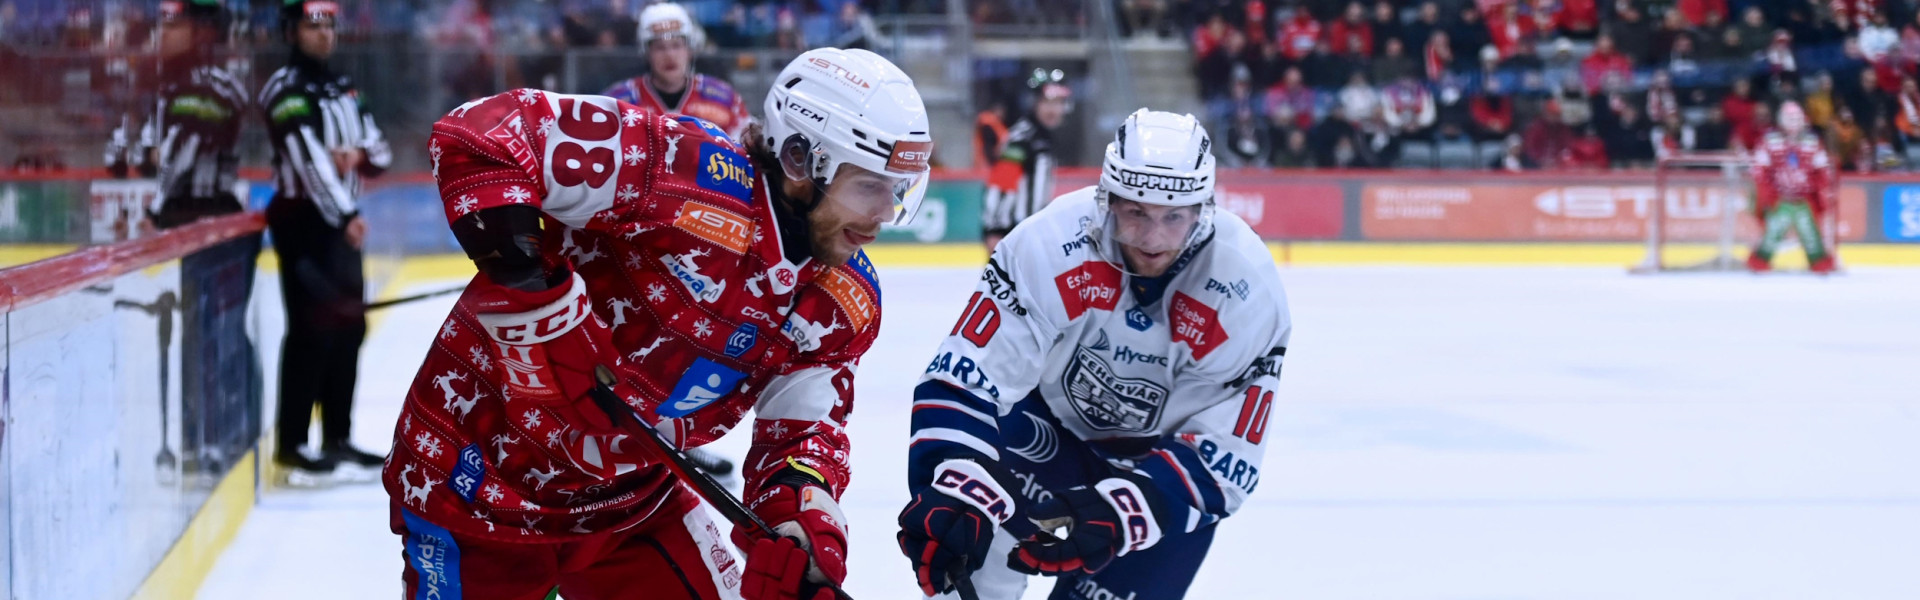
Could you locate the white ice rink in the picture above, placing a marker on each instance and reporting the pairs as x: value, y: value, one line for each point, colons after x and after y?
x: 1446, y: 433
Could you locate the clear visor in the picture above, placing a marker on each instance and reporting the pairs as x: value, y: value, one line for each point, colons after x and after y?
x: 1152, y: 228
x: 902, y: 193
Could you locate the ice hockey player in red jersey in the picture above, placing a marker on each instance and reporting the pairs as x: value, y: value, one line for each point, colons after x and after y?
x: 668, y: 40
x: 1793, y: 186
x: 709, y: 277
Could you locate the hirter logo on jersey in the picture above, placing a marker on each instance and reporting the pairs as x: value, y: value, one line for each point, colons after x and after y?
x: 1196, y: 324
x: 723, y: 227
x: 723, y: 171
x: 1092, y: 285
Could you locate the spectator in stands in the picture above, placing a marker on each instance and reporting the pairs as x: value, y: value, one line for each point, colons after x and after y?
x: 1701, y: 12
x: 989, y: 132
x: 1439, y: 55
x: 853, y: 28
x: 1738, y: 107
x: 1268, y: 65
x: 1291, y: 152
x: 1393, y: 63
x: 1513, y: 157
x: 1489, y: 67
x: 1547, y: 139
x: 1467, y: 36
x: 1715, y: 133
x: 786, y: 31
x: 1777, y: 63
x: 1409, y: 114
x: 1632, y: 34
x: 1417, y: 33
x: 1578, y: 18
x: 1386, y: 27
x: 1846, y: 143
x: 1144, y: 16
x: 1216, y: 69
x: 1325, y: 70
x: 1586, y: 150
x: 1492, y: 112
x: 1300, y: 35
x: 1673, y: 136
x: 1291, y: 102
x: 1507, y: 28
x: 1606, y: 62
x: 1334, y: 141
x: 1673, y: 28
x: 1352, y: 25
x: 1244, y: 139
x: 731, y: 31
x: 1749, y: 138
x: 1868, y: 102
x: 1208, y: 37
x: 1628, y: 138
x: 1751, y: 35
x: 1819, y: 102
x: 1562, y: 65
x: 1661, y: 99
x: 1524, y: 59
x: 1907, y: 115
x: 1683, y: 62
x: 1453, y: 115
x: 1877, y: 40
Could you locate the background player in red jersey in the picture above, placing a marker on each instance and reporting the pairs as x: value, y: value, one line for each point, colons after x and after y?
x: 1793, y: 189
x: 709, y: 278
x: 669, y: 39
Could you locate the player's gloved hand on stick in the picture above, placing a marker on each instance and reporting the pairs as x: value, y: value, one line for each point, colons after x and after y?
x: 947, y: 528
x: 1106, y: 520
x: 545, y: 345
x: 809, y: 559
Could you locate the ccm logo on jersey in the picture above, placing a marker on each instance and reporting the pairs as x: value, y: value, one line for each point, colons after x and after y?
x: 717, y: 225
x: 1092, y: 285
x: 1196, y: 324
x: 1163, y: 183
x: 704, y: 382
x: 968, y: 482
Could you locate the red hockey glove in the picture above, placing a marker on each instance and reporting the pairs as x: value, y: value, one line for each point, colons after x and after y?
x: 809, y: 520
x: 776, y: 570
x: 547, y: 344
x: 1108, y: 520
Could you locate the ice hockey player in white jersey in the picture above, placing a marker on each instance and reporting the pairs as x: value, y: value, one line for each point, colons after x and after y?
x: 1110, y: 377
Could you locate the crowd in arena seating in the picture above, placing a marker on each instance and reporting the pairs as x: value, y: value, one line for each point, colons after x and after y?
x: 1551, y: 84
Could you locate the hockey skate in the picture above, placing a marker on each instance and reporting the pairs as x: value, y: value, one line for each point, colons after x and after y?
x: 353, y: 465
x: 302, y: 472
x: 1758, y: 263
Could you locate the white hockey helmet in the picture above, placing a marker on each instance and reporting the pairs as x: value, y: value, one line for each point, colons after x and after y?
x: 831, y: 107
x: 665, y: 20
x: 1160, y: 158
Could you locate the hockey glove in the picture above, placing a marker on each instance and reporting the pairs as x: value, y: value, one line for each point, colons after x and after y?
x: 947, y: 528
x: 812, y: 549
x: 546, y: 345
x: 1110, y: 519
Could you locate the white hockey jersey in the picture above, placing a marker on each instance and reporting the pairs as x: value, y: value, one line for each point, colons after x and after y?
x: 1177, y: 389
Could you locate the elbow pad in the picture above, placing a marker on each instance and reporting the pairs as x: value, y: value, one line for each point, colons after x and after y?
x: 504, y: 242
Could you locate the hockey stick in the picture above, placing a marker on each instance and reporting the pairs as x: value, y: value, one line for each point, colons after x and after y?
x: 372, y: 306
x: 677, y: 463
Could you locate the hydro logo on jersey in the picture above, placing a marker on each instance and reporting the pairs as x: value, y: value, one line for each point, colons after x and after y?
x: 723, y: 171
x: 703, y: 383
x: 742, y: 340
x: 1108, y: 401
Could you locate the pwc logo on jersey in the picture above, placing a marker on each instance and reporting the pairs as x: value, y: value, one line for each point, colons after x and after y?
x: 1196, y: 324
x: 1092, y: 285
x: 1238, y: 288
x: 683, y: 268
x: 742, y: 340
x: 704, y: 382
x: 1164, y: 183
x: 723, y: 227
x: 723, y: 171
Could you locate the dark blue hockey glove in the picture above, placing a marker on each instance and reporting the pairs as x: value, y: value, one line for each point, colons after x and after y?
x: 949, y: 525
x: 1108, y: 520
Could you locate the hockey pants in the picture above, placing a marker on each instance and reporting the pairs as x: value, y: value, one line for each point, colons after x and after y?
x: 677, y: 554
x: 1044, y: 456
x: 1802, y: 220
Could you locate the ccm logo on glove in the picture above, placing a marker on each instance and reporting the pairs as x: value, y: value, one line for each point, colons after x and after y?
x: 1142, y: 531
x: 968, y: 482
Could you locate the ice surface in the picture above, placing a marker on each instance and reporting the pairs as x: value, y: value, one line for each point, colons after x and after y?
x: 1446, y: 433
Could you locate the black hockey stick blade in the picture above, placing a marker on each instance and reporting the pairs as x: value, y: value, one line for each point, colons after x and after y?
x: 963, y: 581
x: 678, y: 463
x: 416, y: 297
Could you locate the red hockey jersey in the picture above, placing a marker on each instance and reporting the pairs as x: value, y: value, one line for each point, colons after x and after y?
x: 1787, y: 168
x: 676, y: 238
x: 706, y: 97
